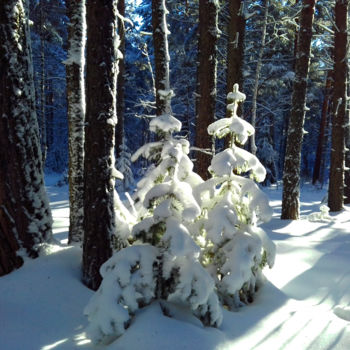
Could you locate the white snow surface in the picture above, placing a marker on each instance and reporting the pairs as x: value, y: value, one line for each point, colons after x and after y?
x: 304, y: 305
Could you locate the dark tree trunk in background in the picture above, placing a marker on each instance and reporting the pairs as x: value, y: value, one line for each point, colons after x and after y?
x: 291, y: 174
x: 347, y: 161
x: 161, y: 56
x: 43, y: 136
x: 208, y: 33
x: 76, y: 115
x: 235, y: 50
x: 235, y: 45
x: 321, y: 136
x: 257, y: 75
x: 101, y: 74
x: 25, y: 217
x: 336, y: 175
x: 119, y: 131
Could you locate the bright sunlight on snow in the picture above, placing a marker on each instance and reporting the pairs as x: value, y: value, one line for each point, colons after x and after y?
x: 305, y: 304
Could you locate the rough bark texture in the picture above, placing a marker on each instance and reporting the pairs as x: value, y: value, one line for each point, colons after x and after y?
x: 336, y: 176
x: 76, y: 116
x: 291, y: 175
x: 347, y: 162
x: 321, y: 136
x: 119, y: 131
x: 161, y: 55
x: 101, y: 74
x: 25, y: 217
x: 235, y: 50
x: 235, y: 45
x: 257, y: 75
x: 208, y: 12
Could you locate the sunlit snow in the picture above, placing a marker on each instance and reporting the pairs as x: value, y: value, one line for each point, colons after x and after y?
x: 305, y: 304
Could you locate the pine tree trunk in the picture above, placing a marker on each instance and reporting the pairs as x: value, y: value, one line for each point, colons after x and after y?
x: 321, y: 136
x: 291, y: 175
x: 119, y: 133
x: 257, y: 76
x: 336, y: 176
x: 161, y: 55
x: 76, y: 115
x: 25, y: 217
x: 208, y: 33
x: 43, y: 135
x: 235, y: 45
x: 235, y: 50
x: 347, y: 162
x: 101, y: 75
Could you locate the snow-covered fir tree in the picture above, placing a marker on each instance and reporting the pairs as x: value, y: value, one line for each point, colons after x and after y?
x: 235, y: 249
x: 124, y: 166
x: 163, y: 262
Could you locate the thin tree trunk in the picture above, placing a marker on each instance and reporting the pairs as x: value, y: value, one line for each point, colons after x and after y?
x: 76, y: 116
x: 321, y: 136
x: 257, y: 76
x: 161, y: 56
x: 25, y: 217
x: 336, y: 176
x: 235, y: 44
x: 291, y: 175
x: 119, y: 133
x: 99, y: 171
x: 42, y: 85
x: 208, y: 33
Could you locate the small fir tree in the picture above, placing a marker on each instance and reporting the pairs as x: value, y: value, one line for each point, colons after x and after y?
x: 235, y: 249
x: 163, y: 262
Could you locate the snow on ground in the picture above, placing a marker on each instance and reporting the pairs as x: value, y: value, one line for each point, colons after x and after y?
x: 304, y: 305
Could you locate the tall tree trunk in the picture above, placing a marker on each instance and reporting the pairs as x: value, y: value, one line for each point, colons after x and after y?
x: 336, y: 176
x: 76, y: 115
x: 99, y: 171
x: 208, y: 33
x: 119, y: 132
x: 25, y: 217
x: 161, y: 56
x: 43, y: 135
x: 291, y: 174
x: 235, y: 50
x: 321, y: 136
x: 257, y: 75
x: 347, y: 161
x: 235, y: 45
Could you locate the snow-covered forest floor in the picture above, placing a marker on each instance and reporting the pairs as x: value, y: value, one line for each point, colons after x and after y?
x: 304, y: 305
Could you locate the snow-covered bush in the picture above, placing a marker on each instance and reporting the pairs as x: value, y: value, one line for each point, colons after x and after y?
x: 163, y: 262
x: 234, y: 249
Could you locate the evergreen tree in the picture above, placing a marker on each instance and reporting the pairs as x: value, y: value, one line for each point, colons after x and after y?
x: 291, y: 175
x: 25, y: 217
x: 76, y: 115
x: 336, y: 176
x: 163, y: 261
x: 234, y: 249
x: 99, y: 171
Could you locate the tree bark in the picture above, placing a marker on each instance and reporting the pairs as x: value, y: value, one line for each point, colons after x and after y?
x: 76, y: 115
x: 291, y: 175
x: 235, y: 45
x: 161, y: 56
x: 336, y: 175
x: 208, y: 33
x: 119, y: 133
x: 99, y: 171
x: 257, y: 75
x: 25, y: 217
x: 321, y: 136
